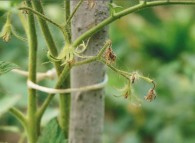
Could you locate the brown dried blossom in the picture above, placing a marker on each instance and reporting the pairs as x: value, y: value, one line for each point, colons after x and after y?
x: 110, y: 56
x: 151, y: 95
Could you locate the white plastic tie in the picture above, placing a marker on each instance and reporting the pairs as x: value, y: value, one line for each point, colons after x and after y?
x: 32, y: 85
x: 51, y: 74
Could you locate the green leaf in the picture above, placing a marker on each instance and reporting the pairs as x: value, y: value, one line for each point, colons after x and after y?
x: 6, y: 67
x: 8, y: 102
x: 52, y: 133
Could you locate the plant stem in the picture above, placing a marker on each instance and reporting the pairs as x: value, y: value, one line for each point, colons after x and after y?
x: 53, y: 50
x: 47, y: 35
x: 18, y: 36
x: 122, y: 13
x: 40, y: 15
x: 92, y: 59
x: 64, y: 100
x: 67, y: 27
x: 74, y: 11
x: 19, y: 116
x: 67, y: 9
x: 64, y: 105
x: 114, y: 69
x: 23, y: 21
x: 32, y: 105
x: 59, y: 84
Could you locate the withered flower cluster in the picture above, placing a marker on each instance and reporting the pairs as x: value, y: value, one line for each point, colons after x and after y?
x: 110, y: 57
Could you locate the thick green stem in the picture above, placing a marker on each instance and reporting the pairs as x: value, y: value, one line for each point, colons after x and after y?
x: 64, y: 103
x: 67, y: 27
x: 59, y: 84
x: 64, y: 100
x: 47, y: 35
x: 53, y: 51
x: 32, y: 129
x: 67, y: 9
x: 122, y: 13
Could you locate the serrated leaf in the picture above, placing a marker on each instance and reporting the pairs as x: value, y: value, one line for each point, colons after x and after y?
x: 6, y: 67
x: 8, y: 102
x: 52, y: 133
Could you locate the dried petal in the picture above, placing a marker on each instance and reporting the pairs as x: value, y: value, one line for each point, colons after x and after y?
x: 110, y: 56
x: 151, y: 95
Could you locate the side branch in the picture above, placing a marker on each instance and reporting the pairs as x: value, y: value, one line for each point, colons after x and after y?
x: 74, y: 11
x: 47, y: 35
x: 127, y: 11
x: 61, y: 79
x: 19, y: 116
x: 40, y: 15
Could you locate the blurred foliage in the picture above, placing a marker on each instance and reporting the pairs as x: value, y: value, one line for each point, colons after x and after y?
x: 157, y: 42
x: 13, y: 86
x: 6, y: 67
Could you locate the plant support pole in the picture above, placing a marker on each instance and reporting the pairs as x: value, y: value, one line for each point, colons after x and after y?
x: 87, y: 108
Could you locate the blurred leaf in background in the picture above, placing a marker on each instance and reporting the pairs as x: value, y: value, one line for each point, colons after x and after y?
x: 159, y: 43
x: 16, y: 51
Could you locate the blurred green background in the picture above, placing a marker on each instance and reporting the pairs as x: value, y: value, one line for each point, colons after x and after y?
x: 157, y: 42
